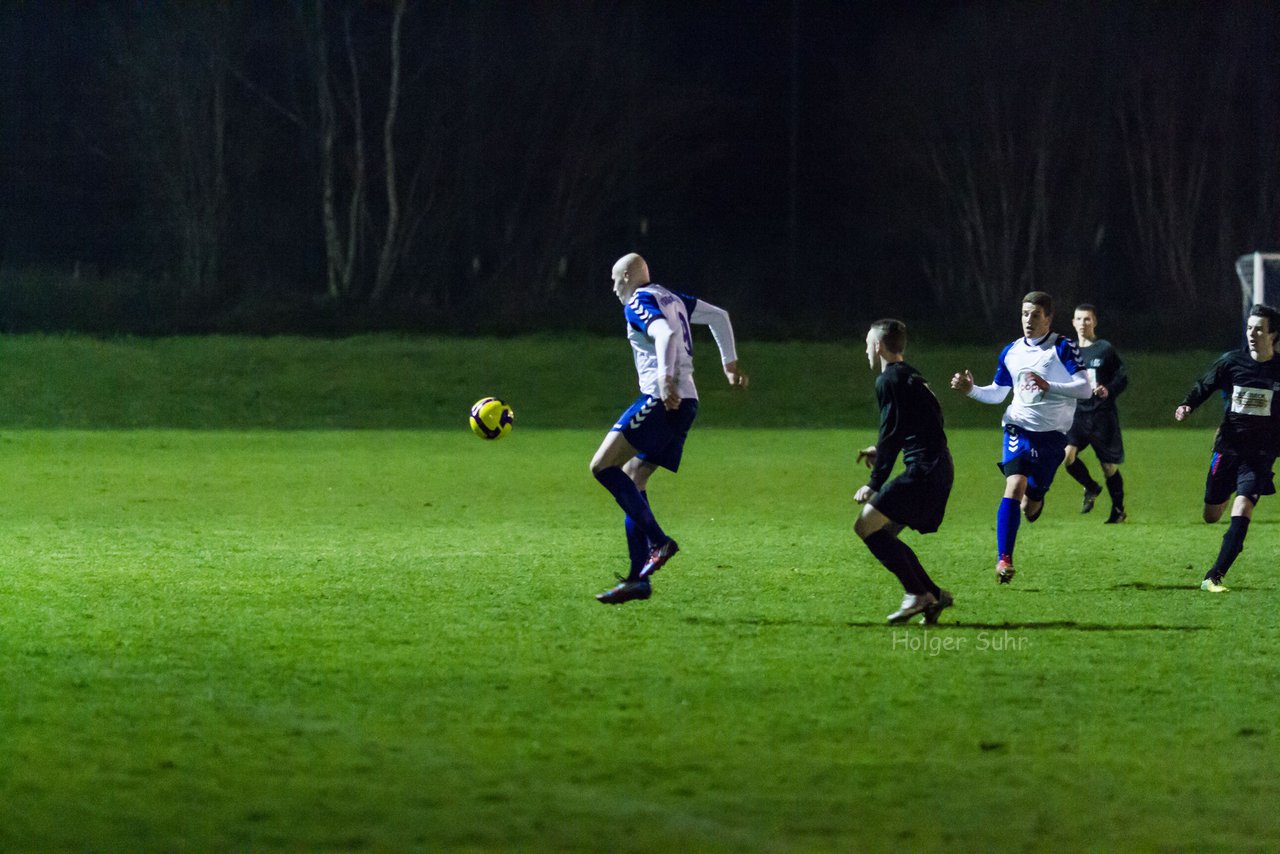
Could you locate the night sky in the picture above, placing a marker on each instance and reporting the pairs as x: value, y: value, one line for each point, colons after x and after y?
x: 835, y: 160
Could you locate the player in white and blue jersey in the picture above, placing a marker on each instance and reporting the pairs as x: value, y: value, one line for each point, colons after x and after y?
x: 1043, y: 371
x: 651, y: 432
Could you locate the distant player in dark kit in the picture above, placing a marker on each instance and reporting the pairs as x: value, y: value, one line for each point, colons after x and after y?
x: 1244, y: 448
x: 910, y: 423
x: 1043, y: 371
x: 1097, y: 421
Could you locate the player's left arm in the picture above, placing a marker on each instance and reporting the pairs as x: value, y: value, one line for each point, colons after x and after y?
x: 1119, y: 379
x: 1078, y: 385
x: 722, y: 330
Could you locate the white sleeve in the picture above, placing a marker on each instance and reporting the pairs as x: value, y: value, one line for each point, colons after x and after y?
x: 664, y: 343
x: 721, y: 328
x: 1078, y: 387
x: 990, y: 393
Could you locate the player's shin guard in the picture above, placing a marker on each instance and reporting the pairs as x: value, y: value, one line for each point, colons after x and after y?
x: 1008, y: 517
x: 1080, y: 472
x: 889, y: 551
x: 1115, y: 488
x: 637, y: 545
x: 1232, y: 545
x: 627, y: 494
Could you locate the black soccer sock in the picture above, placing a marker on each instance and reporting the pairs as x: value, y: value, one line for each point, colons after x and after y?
x: 920, y: 579
x: 884, y: 546
x: 1080, y: 472
x: 1232, y: 545
x: 1115, y: 488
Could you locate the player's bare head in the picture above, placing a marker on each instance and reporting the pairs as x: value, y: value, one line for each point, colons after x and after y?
x: 1265, y: 320
x: 1037, y: 314
x: 629, y: 272
x: 1085, y: 320
x: 892, y: 335
x: 886, y: 339
x: 1041, y: 299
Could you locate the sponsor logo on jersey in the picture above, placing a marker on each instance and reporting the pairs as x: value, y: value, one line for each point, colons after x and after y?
x: 1251, y: 401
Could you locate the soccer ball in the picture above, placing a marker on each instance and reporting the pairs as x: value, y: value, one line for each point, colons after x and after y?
x: 491, y: 418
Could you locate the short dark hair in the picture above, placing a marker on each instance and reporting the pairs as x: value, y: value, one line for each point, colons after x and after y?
x: 1272, y: 316
x: 1041, y: 299
x: 1089, y: 307
x: 892, y: 334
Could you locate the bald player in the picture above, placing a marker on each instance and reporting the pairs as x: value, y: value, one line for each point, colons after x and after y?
x: 652, y: 431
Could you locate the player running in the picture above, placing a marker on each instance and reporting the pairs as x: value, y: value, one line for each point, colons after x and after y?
x: 1097, y: 421
x: 1244, y: 448
x: 910, y: 422
x: 1043, y: 370
x: 652, y: 431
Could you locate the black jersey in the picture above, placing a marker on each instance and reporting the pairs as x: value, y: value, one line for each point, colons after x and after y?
x: 1251, y: 391
x: 1105, y: 368
x: 910, y: 422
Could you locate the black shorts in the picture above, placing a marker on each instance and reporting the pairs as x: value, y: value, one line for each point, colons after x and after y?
x: 1244, y: 474
x: 918, y: 497
x: 1099, y: 429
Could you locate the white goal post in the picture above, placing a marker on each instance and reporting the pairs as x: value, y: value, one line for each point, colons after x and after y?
x: 1259, y: 275
x: 1257, y: 270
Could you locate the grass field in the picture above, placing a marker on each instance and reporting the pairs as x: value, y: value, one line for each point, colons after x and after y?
x: 231, y: 637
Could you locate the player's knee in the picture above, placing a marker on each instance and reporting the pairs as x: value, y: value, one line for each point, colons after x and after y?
x: 867, y: 523
x: 1213, y: 512
x: 1070, y: 456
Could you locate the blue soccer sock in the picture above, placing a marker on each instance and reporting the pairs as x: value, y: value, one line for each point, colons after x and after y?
x: 1008, y: 517
x: 633, y: 503
x: 637, y: 545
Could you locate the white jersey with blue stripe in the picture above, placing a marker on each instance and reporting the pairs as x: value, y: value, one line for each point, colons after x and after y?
x: 1054, y: 358
x: 646, y: 305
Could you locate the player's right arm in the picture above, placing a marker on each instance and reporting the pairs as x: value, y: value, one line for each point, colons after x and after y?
x: 1204, y: 387
x: 996, y: 392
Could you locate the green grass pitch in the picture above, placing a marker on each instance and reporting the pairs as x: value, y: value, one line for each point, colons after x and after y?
x: 307, y: 639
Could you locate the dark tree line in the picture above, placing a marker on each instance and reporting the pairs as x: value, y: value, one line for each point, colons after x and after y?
x: 474, y: 166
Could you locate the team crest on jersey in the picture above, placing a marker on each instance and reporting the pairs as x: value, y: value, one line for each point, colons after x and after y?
x: 1251, y: 401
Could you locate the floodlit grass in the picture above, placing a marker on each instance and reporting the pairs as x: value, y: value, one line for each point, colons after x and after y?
x: 387, y: 639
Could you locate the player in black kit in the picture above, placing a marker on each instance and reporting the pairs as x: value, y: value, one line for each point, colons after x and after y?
x: 910, y: 422
x: 1244, y: 448
x: 1097, y: 422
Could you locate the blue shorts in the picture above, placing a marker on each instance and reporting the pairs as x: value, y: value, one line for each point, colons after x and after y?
x: 1034, y: 454
x: 655, y: 432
